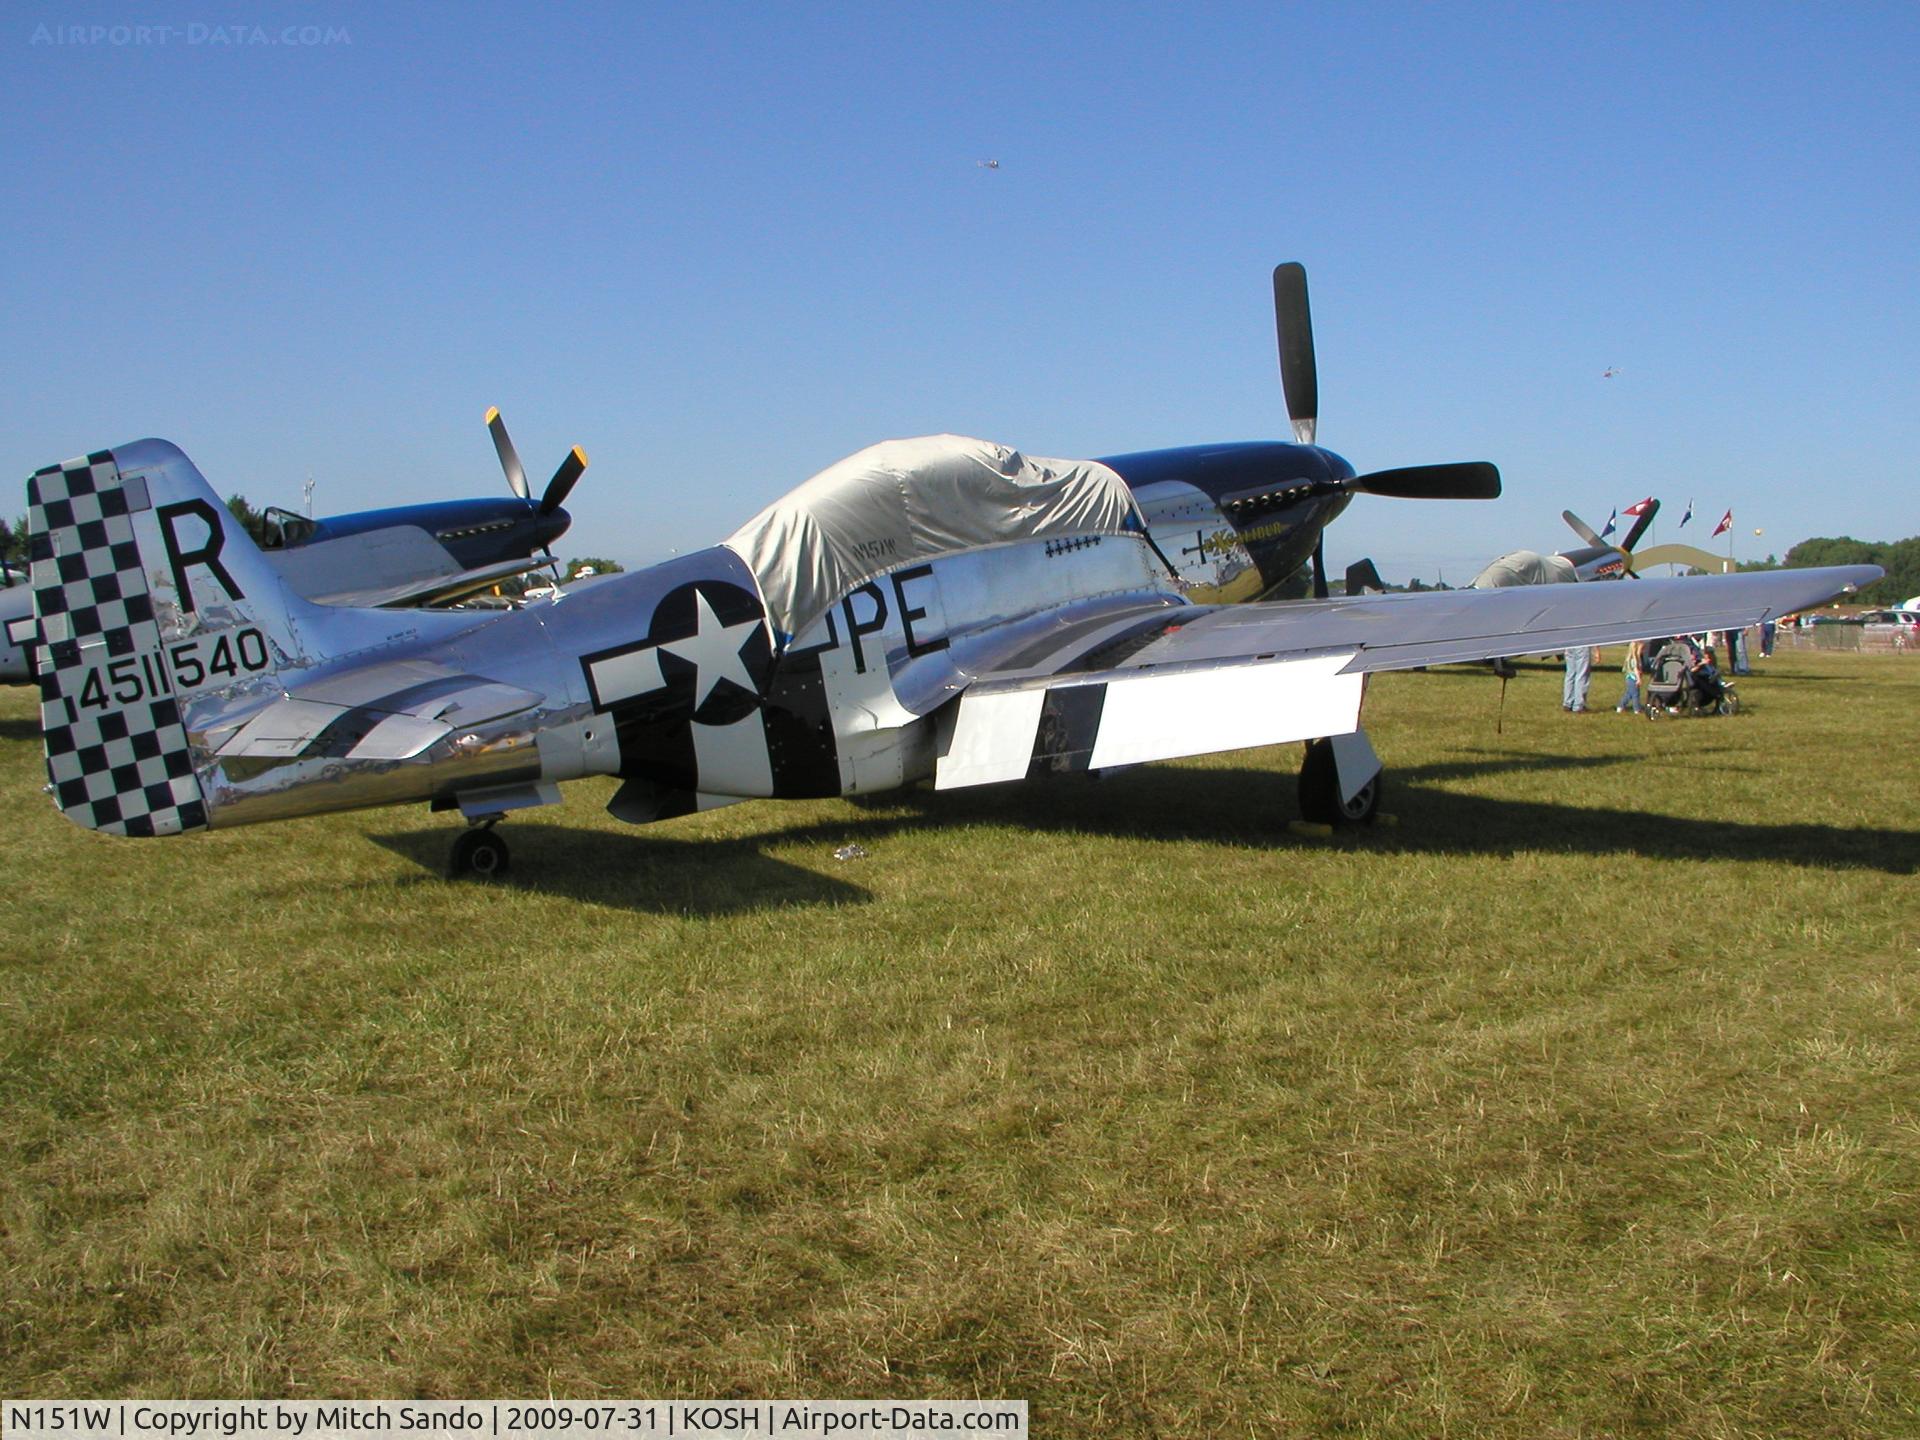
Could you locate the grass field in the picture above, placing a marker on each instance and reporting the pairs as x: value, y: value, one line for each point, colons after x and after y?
x: 1583, y: 1101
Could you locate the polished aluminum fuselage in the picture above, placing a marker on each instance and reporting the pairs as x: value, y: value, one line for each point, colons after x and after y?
x: 851, y: 704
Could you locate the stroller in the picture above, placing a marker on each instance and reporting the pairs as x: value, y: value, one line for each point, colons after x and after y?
x: 1682, y: 680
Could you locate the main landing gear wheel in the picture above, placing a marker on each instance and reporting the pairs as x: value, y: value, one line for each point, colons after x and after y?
x: 1320, y: 799
x: 479, y: 855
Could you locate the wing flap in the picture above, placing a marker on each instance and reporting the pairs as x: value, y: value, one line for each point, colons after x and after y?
x: 1196, y: 712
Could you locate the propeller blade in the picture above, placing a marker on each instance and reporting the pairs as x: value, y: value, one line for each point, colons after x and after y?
x: 1585, y: 531
x: 1466, y: 480
x: 509, y: 457
x: 1640, y: 524
x: 564, y: 479
x: 1294, y: 324
x: 1320, y: 567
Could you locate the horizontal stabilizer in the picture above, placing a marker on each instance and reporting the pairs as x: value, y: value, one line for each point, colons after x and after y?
x: 390, y: 712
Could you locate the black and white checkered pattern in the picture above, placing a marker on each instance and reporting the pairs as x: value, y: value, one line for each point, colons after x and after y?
x: 124, y: 769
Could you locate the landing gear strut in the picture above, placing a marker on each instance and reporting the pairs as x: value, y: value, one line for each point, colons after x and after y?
x: 479, y: 854
x: 1321, y: 799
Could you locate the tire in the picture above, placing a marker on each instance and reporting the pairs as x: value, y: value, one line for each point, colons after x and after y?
x: 479, y: 855
x: 1729, y: 704
x: 1320, y: 790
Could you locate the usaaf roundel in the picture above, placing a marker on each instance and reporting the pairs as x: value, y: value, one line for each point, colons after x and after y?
x: 706, y: 658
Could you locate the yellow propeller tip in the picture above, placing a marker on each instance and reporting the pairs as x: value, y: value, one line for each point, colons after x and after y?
x: 493, y: 413
x: 580, y: 455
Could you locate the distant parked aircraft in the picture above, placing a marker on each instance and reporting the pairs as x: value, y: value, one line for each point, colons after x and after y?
x: 428, y: 554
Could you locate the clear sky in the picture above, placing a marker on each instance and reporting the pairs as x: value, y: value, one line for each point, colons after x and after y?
x: 723, y: 245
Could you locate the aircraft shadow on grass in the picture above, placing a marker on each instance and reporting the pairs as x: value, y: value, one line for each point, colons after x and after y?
x: 1248, y: 806
x: 1507, y: 762
x: 646, y: 871
x: 1722, y: 760
x: 651, y: 871
x: 20, y: 729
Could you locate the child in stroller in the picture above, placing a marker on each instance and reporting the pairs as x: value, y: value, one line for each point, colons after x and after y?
x: 1682, y: 679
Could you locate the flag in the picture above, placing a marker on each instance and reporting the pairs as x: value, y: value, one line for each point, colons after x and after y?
x: 1607, y: 529
x: 1726, y: 523
x: 1686, y: 517
x: 1638, y: 510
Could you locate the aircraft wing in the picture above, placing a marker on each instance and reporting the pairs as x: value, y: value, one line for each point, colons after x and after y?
x: 1153, y: 682
x: 400, y: 565
x: 438, y: 589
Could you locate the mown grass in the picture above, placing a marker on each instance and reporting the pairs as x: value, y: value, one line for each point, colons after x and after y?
x: 1584, y: 1101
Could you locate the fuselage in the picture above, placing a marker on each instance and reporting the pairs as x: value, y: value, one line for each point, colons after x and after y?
x: 474, y: 532
x: 669, y: 678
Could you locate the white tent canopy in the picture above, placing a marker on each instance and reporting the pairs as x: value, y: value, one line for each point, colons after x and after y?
x: 1525, y: 567
x: 906, y: 500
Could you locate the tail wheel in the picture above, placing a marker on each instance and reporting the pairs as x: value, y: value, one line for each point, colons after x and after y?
x: 1320, y: 799
x: 479, y: 855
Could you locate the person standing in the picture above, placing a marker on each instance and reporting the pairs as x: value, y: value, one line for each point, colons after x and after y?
x: 1630, y: 677
x: 1573, y: 693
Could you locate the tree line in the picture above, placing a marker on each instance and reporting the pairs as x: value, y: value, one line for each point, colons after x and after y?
x: 1899, y: 558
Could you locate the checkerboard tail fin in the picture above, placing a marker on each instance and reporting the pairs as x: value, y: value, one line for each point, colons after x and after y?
x: 146, y: 592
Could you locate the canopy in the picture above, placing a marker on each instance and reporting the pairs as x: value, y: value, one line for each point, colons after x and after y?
x: 906, y: 500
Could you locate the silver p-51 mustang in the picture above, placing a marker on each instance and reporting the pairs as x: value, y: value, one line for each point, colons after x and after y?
x: 937, y: 609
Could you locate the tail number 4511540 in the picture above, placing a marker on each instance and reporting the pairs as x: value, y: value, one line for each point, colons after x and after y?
x: 196, y: 664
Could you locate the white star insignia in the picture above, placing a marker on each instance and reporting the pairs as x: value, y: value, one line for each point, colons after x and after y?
x: 713, y: 650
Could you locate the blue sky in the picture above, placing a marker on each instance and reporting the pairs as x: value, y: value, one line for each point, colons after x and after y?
x: 721, y: 246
